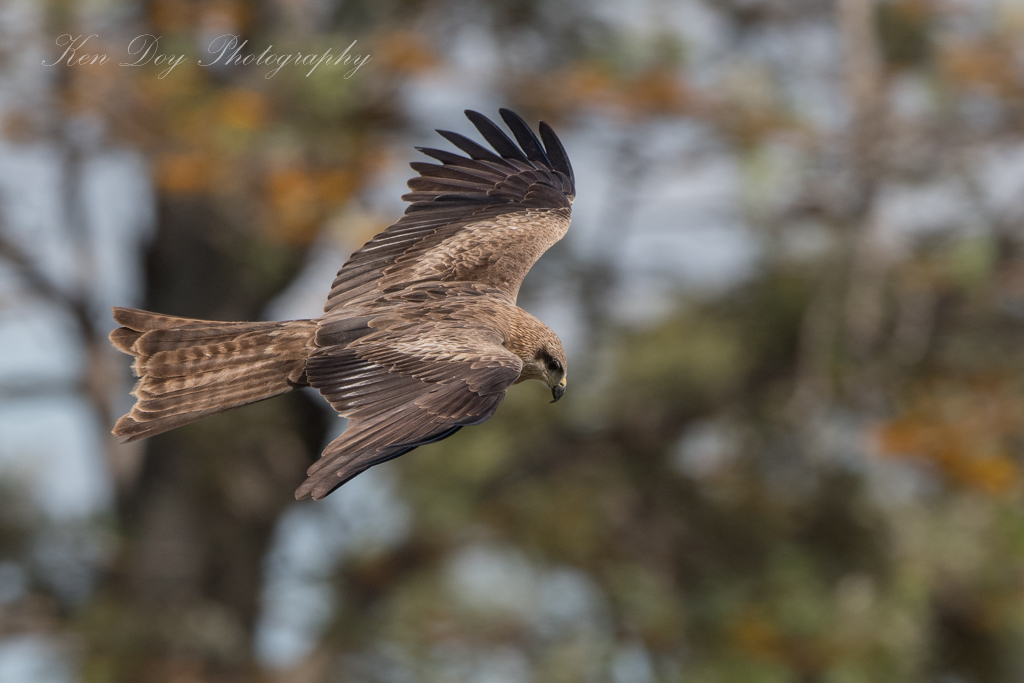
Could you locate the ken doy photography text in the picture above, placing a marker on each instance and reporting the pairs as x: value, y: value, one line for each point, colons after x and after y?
x: 224, y: 51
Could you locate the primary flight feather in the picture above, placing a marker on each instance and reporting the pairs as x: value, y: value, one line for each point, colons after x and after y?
x: 421, y: 334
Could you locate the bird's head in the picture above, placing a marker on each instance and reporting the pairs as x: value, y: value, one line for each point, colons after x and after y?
x: 547, y: 363
x: 555, y: 371
x: 541, y: 351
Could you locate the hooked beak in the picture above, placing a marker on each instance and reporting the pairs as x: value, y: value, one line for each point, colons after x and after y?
x: 558, y: 391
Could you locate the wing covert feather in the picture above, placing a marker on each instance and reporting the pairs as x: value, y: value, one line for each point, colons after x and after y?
x: 403, y: 383
x: 483, y: 218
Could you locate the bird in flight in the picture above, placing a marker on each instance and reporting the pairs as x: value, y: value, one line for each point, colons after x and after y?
x: 421, y: 334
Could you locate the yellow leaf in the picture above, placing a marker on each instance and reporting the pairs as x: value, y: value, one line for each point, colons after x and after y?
x: 244, y: 109
x: 184, y: 173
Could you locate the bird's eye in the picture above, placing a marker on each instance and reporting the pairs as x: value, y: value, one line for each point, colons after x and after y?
x: 554, y: 366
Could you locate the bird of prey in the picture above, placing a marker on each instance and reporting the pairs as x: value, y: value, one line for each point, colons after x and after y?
x: 421, y: 334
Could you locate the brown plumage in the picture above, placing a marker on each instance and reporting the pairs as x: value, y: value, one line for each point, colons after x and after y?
x: 420, y: 335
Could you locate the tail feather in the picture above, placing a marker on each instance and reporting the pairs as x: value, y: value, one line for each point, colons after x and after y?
x: 252, y: 353
x: 156, y: 402
x: 123, y: 338
x: 194, y: 334
x: 182, y: 388
x: 189, y: 368
x: 147, y: 321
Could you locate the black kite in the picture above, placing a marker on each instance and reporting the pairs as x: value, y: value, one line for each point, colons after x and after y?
x: 421, y: 334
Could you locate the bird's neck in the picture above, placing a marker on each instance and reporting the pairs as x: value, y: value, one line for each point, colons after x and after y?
x: 524, y: 336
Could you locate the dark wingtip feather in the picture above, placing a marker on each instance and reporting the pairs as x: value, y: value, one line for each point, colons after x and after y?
x: 474, y: 150
x: 546, y: 150
x: 556, y: 152
x: 525, y: 136
x: 498, y: 176
x: 501, y: 143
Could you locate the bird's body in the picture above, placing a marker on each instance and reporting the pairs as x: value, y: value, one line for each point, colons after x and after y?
x: 421, y: 334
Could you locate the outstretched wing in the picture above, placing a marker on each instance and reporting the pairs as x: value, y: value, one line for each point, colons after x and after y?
x: 403, y: 380
x: 486, y: 217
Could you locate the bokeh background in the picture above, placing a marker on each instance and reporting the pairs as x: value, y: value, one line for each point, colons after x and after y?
x: 792, y: 449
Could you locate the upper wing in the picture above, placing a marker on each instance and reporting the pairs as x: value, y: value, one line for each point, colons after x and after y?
x: 486, y: 218
x: 403, y: 382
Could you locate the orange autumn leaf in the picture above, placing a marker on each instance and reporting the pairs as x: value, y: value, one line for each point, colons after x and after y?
x: 335, y: 186
x: 968, y: 435
x: 587, y: 82
x: 184, y: 173
x: 18, y: 126
x: 656, y: 90
x: 245, y: 109
x: 173, y: 16
x: 990, y: 65
x: 293, y: 198
x: 300, y: 198
x: 756, y: 636
x: 404, y: 52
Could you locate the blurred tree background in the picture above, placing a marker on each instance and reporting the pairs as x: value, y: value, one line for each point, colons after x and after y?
x: 793, y: 298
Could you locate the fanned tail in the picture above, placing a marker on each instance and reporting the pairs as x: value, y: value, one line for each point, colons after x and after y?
x: 189, y: 369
